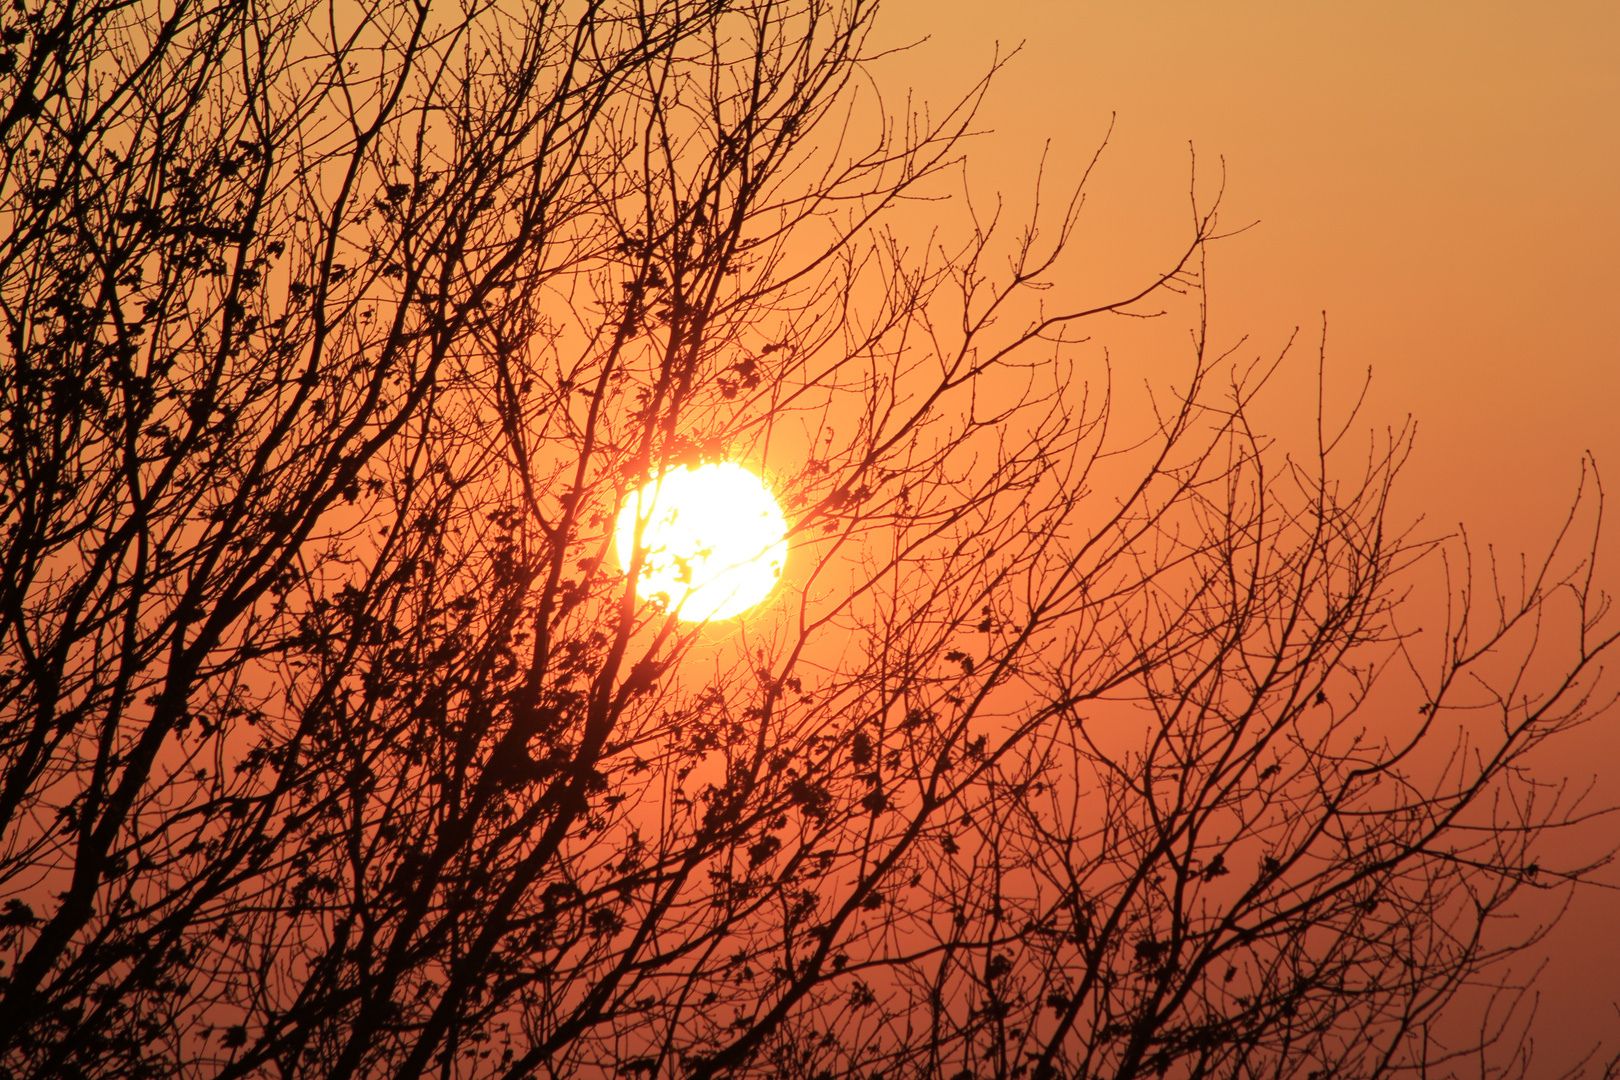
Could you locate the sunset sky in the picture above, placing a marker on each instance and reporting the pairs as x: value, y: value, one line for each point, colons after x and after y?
x: 1443, y: 179
x: 670, y: 540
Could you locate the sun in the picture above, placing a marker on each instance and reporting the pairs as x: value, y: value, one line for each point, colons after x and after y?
x: 714, y: 539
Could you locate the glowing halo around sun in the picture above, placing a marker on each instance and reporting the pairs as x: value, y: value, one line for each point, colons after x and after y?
x: 714, y: 539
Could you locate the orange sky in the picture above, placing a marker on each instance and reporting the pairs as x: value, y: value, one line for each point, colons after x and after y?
x: 1442, y: 178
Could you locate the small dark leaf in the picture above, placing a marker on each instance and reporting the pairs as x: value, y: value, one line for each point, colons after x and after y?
x: 17, y: 913
x: 764, y: 849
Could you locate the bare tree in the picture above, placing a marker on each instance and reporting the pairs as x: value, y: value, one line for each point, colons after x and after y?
x: 337, y: 741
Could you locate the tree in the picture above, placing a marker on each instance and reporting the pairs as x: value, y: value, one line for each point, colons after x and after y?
x: 337, y: 742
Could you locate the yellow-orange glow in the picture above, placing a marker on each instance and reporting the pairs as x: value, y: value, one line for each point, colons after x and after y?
x: 714, y: 540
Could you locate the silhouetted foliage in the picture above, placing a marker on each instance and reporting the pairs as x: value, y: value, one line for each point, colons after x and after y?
x: 336, y: 742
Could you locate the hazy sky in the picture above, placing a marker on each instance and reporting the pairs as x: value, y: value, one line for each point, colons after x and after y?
x: 1442, y: 178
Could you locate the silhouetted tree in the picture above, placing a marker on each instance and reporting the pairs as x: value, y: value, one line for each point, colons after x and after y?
x: 336, y: 741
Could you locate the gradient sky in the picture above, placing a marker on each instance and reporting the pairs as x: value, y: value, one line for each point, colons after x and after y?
x: 1442, y: 178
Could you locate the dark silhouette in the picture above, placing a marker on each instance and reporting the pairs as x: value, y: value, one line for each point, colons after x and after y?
x: 335, y: 742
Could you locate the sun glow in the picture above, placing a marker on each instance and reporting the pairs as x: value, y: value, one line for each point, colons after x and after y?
x: 714, y: 539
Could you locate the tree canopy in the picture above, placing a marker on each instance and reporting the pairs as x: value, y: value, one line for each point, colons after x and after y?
x: 336, y: 741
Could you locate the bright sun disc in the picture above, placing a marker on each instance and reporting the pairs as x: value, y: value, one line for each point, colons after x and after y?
x: 714, y: 540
